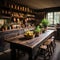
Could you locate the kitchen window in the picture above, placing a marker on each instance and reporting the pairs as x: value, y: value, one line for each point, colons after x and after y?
x: 53, y: 17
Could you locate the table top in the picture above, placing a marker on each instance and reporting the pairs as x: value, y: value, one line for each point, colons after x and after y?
x: 30, y: 42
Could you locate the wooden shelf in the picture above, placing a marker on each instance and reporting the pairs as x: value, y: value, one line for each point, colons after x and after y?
x: 17, y: 11
x: 15, y: 7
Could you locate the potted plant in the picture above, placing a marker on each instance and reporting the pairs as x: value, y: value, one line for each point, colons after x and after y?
x: 44, y: 23
x: 37, y: 30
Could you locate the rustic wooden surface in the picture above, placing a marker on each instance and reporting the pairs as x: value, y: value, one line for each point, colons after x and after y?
x: 30, y: 42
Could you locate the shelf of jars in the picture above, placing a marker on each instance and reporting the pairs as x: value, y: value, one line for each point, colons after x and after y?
x: 5, y: 12
x: 14, y: 25
x: 14, y: 10
x: 18, y: 23
x: 18, y: 13
x: 19, y: 8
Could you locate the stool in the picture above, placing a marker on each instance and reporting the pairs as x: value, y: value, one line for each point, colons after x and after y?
x: 53, y: 44
x: 49, y: 46
x: 43, y: 52
x: 53, y: 41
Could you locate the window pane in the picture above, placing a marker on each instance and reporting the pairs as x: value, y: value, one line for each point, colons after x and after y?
x: 56, y: 17
x: 50, y: 17
x: 53, y: 17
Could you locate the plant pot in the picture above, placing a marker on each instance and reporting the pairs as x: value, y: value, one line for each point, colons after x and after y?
x: 44, y: 29
x: 37, y: 34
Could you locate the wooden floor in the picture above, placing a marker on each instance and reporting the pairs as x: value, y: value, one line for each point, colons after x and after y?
x: 55, y: 56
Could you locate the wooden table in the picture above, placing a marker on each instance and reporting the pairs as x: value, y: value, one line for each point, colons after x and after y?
x: 28, y: 45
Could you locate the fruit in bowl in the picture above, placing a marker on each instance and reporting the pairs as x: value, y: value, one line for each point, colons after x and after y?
x: 29, y: 34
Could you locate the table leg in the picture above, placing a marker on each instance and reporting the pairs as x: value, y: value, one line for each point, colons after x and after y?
x: 31, y: 57
x: 13, y: 53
